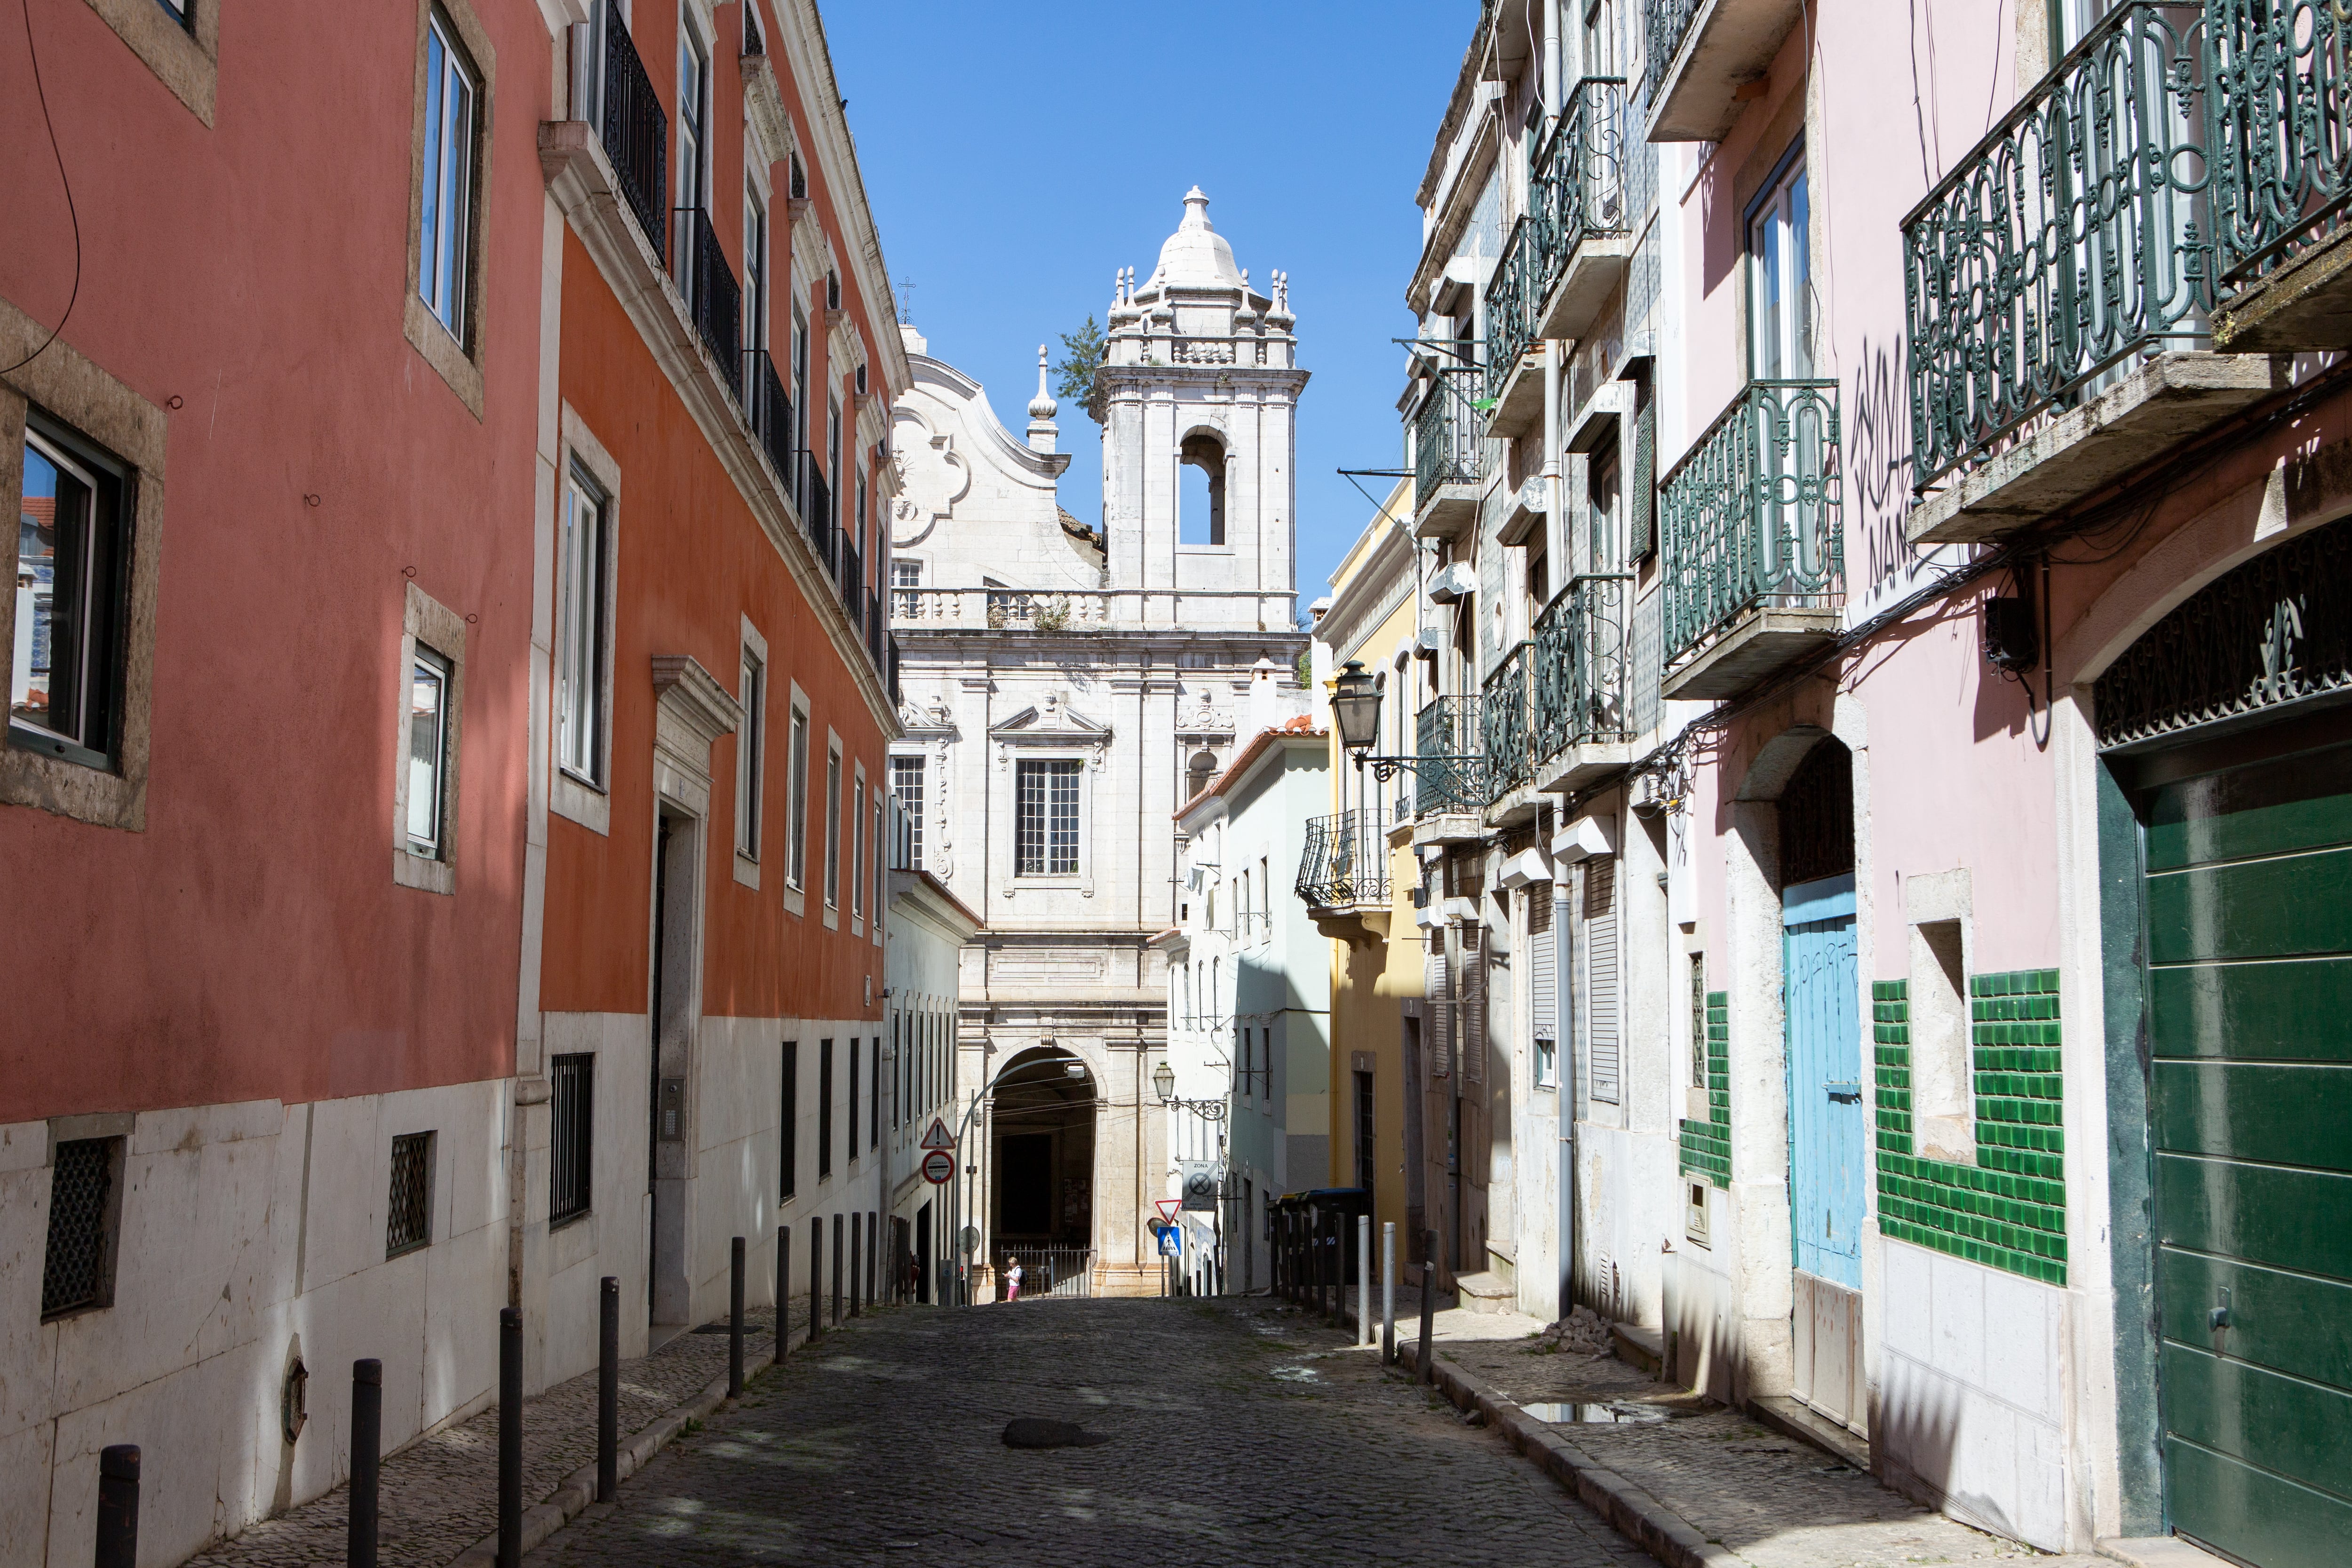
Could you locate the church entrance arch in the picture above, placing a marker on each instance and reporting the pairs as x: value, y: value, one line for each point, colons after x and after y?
x: 1040, y: 1129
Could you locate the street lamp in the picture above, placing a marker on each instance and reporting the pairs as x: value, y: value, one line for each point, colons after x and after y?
x: 1163, y: 1082
x: 1356, y: 708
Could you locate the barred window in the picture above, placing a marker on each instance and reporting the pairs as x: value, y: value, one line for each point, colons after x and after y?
x: 906, y: 783
x: 408, y: 1222
x: 789, y: 1156
x: 824, y: 1110
x: 1045, y: 830
x: 84, y: 1191
x: 574, y: 1080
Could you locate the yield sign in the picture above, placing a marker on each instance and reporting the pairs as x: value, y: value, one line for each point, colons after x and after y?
x: 1168, y: 1208
x: 937, y: 1138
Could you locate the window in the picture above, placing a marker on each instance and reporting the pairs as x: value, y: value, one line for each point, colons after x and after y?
x: 873, y: 1099
x: 755, y: 264
x: 1602, y: 487
x: 1265, y: 898
x: 1779, y: 269
x: 853, y: 1103
x: 579, y: 631
x: 1698, y: 1020
x: 693, y: 115
x: 857, y: 845
x: 824, y: 1110
x: 905, y: 576
x: 788, y: 1158
x: 1543, y: 983
x: 880, y: 867
x: 408, y: 1216
x: 751, y: 754
x: 1364, y: 1131
x: 1045, y: 821
x: 573, y: 1079
x: 66, y: 670
x: 799, y: 377
x: 428, y: 752
x: 85, y: 1208
x: 833, y: 443
x: 445, y: 221
x: 832, y: 829
x: 796, y: 872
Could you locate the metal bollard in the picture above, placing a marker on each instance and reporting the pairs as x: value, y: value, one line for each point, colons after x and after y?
x: 510, y: 1437
x: 1363, y: 1279
x: 118, y: 1506
x: 608, y: 1389
x: 360, y: 1527
x: 1388, y: 1293
x: 784, y: 1289
x: 735, y: 1319
x: 1427, y: 1372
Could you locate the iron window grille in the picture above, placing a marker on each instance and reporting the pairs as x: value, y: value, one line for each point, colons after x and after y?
x: 788, y: 1157
x: 853, y: 1101
x: 573, y: 1136
x: 1046, y: 817
x: 824, y: 1110
x: 408, y: 1219
x: 77, y: 1272
x: 72, y: 554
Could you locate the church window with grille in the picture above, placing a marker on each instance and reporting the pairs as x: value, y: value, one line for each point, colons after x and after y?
x: 85, y: 1196
x: 1046, y: 825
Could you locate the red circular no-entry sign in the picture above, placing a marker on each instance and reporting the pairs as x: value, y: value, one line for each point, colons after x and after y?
x: 938, y: 1166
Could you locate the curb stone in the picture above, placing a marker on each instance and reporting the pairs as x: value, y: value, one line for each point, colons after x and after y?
x: 570, y: 1498
x: 1637, y: 1515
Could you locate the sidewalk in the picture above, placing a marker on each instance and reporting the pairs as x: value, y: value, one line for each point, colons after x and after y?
x: 438, y: 1496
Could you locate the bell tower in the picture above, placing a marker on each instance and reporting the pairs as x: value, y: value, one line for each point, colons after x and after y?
x: 1200, y: 370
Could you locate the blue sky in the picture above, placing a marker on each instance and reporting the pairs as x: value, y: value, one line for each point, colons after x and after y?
x: 1016, y: 155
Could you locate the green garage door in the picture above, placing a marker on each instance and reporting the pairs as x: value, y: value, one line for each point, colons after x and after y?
x: 2249, y: 900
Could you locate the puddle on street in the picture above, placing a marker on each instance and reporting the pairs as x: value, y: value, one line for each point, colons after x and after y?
x: 1598, y: 1414
x: 1296, y: 1374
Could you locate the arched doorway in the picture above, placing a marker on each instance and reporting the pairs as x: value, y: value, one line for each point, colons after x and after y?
x: 1041, y: 1130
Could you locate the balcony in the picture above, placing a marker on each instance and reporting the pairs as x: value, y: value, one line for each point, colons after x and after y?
x: 1702, y: 52
x: 2281, y: 184
x: 1754, y: 553
x: 714, y: 300
x: 1344, y: 869
x: 1505, y: 728
x: 1581, y: 658
x: 635, y: 130
x: 1449, y: 456
x: 1566, y: 255
x: 2061, y: 280
x: 1449, y: 793
x: 768, y: 408
x: 814, y: 496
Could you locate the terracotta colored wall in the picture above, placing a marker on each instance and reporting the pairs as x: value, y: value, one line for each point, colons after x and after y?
x: 250, y: 942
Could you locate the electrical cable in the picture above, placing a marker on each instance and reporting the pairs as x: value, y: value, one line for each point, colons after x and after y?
x: 72, y: 214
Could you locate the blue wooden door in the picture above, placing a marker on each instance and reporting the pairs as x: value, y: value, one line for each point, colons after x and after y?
x: 1825, y: 1055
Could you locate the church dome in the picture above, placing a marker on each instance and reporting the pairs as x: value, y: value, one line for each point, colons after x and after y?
x: 1196, y: 256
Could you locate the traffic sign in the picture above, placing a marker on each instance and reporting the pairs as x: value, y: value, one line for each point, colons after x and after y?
x: 937, y: 1137
x: 938, y: 1165
x: 1172, y: 1243
x: 1167, y: 1207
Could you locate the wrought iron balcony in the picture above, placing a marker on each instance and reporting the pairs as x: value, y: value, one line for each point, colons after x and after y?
x: 897, y: 694
x: 636, y: 131
x: 853, y: 576
x: 768, y: 408
x: 2072, y: 238
x: 1582, y: 657
x: 2279, y: 75
x: 1505, y: 728
x: 713, y: 299
x: 1576, y: 195
x: 1450, y: 772
x: 1345, y: 864
x: 1665, y: 23
x: 1701, y: 54
x: 1754, y: 551
x: 875, y: 632
x: 814, y: 496
x: 1449, y: 455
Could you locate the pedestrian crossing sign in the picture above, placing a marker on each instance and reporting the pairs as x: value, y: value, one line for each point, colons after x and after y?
x: 937, y: 1137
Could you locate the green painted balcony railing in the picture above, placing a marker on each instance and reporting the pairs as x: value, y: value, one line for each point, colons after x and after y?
x: 1750, y: 516
x: 1446, y: 446
x: 1451, y: 774
x: 2077, y: 235
x: 1576, y: 189
x: 1581, y: 654
x: 1665, y: 25
x: 1504, y: 725
x: 2280, y: 125
x: 1345, y: 863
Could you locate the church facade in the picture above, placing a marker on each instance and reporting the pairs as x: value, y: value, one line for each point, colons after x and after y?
x: 1064, y: 691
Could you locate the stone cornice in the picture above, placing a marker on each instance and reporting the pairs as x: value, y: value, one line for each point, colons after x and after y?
x: 691, y: 695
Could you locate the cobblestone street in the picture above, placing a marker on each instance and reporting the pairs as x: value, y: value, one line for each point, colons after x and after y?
x: 1238, y: 1435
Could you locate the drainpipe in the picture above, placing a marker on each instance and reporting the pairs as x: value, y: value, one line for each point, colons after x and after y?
x: 1551, y: 83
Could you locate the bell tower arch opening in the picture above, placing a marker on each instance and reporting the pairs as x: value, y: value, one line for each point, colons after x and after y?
x: 1201, y: 498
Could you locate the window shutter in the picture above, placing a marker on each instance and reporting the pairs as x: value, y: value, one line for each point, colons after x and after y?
x: 1474, y: 1006
x: 1543, y: 973
x: 1641, y: 497
x: 1600, y: 979
x: 1438, y: 982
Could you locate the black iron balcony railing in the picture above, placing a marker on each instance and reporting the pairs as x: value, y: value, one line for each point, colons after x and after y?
x: 1576, y: 189
x: 1504, y: 727
x: 1446, y: 446
x: 875, y: 632
x: 635, y: 132
x: 1750, y: 515
x: 1665, y: 23
x: 896, y: 696
x: 769, y: 409
x: 814, y: 496
x: 713, y: 299
x: 1450, y: 772
x: 853, y: 577
x: 1578, y: 681
x: 2074, y: 236
x: 1345, y: 863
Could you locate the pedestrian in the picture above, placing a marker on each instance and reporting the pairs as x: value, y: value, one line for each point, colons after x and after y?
x: 1013, y: 1280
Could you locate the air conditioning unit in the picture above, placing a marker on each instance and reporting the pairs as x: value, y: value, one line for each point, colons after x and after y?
x: 1428, y: 643
x: 1458, y: 581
